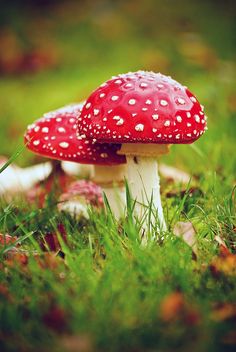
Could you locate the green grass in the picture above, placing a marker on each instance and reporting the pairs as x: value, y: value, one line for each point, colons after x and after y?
x: 104, y: 290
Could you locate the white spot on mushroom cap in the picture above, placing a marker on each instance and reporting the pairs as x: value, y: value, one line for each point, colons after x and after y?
x: 58, y: 119
x: 37, y: 142
x: 64, y: 145
x: 102, y: 95
x: 96, y: 112
x: 45, y: 129
x: 154, y: 130
x: 148, y: 102
x: 132, y: 102
x: 143, y: 85
x: 155, y: 116
x: 36, y: 129
x: 104, y: 155
x: 167, y: 123
x: 114, y: 98
x: 120, y: 122
x: 197, y: 118
x: 87, y: 106
x: 179, y: 118
x: 139, y: 127
x: 188, y: 114
x: 163, y: 102
x: 181, y: 101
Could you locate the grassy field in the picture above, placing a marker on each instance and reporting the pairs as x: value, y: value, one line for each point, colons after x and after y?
x: 103, y: 291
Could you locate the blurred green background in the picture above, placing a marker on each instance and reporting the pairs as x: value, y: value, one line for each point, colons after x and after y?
x: 55, y: 52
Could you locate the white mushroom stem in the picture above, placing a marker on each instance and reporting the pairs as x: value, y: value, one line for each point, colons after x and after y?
x: 76, y: 169
x: 111, y: 180
x: 144, y: 185
x: 143, y: 180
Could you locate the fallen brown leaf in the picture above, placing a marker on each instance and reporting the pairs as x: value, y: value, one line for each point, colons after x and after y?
x: 186, y: 231
x: 16, y: 257
x: 76, y: 343
x: 174, y: 307
x: 49, y: 261
x: 224, y: 311
x: 171, y: 306
x: 219, y: 240
x: 224, y: 263
x: 4, y: 292
x: 6, y: 239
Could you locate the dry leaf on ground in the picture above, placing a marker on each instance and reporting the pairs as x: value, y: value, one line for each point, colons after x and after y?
x: 224, y: 263
x: 174, y: 307
x: 186, y: 231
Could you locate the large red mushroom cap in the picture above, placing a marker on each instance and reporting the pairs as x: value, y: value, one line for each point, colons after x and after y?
x: 142, y: 107
x: 55, y: 136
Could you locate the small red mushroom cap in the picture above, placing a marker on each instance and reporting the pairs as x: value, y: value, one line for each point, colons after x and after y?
x: 55, y: 136
x: 142, y: 107
x: 88, y: 190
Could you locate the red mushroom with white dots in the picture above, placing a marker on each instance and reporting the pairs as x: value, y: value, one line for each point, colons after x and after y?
x: 78, y: 195
x: 55, y: 136
x: 145, y: 112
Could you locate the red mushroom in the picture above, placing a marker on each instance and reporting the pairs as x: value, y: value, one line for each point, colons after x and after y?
x: 145, y: 112
x: 78, y: 195
x: 55, y: 136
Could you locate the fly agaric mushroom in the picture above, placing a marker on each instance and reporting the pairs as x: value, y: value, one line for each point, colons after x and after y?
x: 54, y: 136
x: 145, y: 112
x: 78, y: 195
